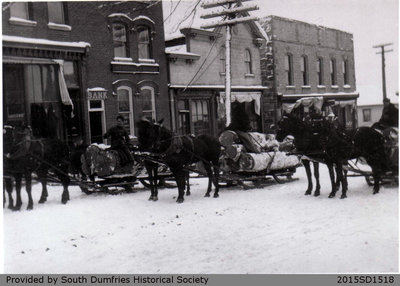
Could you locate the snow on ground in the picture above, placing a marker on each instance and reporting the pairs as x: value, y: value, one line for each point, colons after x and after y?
x: 272, y: 229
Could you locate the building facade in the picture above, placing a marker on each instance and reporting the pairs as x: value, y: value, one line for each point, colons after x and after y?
x: 305, y: 60
x: 71, y: 67
x: 196, y: 61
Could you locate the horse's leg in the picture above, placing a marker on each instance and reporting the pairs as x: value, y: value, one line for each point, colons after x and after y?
x: 316, y: 175
x: 18, y: 183
x: 376, y: 174
x: 28, y: 183
x: 306, y: 164
x: 187, y: 176
x: 65, y: 182
x: 180, y: 181
x: 332, y: 177
x: 155, y: 183
x: 149, y: 170
x: 216, y: 177
x: 210, y: 177
x: 339, y: 171
x: 8, y: 185
x: 42, y: 175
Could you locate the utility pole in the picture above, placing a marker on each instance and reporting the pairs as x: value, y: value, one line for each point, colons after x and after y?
x: 230, y: 10
x: 383, y: 51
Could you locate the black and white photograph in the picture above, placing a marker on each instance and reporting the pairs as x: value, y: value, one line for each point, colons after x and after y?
x: 200, y: 137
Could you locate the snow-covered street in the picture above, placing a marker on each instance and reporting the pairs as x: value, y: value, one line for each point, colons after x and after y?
x: 274, y: 229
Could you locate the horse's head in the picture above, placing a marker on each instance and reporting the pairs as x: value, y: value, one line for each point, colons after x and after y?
x: 150, y: 135
x: 8, y: 138
x: 286, y: 126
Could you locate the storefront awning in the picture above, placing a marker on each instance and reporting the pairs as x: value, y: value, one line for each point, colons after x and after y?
x: 244, y: 97
x: 331, y: 95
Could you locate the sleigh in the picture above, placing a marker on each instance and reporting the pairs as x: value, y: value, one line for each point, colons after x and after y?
x: 103, y: 171
x: 256, y: 157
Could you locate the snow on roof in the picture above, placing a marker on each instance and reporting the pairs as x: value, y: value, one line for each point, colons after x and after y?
x: 44, y: 42
x: 176, y: 49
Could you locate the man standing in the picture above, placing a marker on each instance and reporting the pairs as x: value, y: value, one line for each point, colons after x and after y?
x: 120, y: 140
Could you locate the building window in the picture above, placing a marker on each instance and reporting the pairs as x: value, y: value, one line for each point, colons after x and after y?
x: 289, y: 69
x: 96, y: 120
x: 57, y: 12
x: 366, y: 114
x: 222, y: 60
x: 147, y: 102
x: 183, y: 117
x: 333, y: 72
x: 345, y: 72
x: 120, y: 40
x: 200, y: 116
x: 124, y: 95
x: 144, y: 43
x: 304, y: 69
x: 247, y: 61
x: 320, y: 68
x: 20, y: 10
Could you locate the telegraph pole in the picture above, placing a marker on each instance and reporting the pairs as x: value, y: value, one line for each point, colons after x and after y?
x: 230, y: 9
x: 383, y: 51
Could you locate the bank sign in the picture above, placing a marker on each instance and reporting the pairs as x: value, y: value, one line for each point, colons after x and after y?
x: 97, y: 93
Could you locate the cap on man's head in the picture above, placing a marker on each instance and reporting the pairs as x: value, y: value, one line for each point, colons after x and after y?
x: 387, y: 100
x: 120, y: 117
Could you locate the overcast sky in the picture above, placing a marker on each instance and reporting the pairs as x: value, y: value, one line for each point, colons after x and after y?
x: 372, y: 22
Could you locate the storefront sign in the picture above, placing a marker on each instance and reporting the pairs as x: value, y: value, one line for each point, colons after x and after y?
x: 96, y: 93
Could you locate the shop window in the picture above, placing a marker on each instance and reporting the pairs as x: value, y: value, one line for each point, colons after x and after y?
x: 304, y: 69
x: 333, y: 72
x: 289, y: 69
x: 96, y: 120
x: 71, y: 74
x: 183, y: 117
x: 125, y: 108
x: 120, y: 40
x: 200, y: 116
x: 144, y: 43
x: 247, y: 61
x: 21, y: 10
x: 366, y: 114
x: 147, y: 102
x: 57, y: 13
x: 320, y: 69
x: 345, y: 72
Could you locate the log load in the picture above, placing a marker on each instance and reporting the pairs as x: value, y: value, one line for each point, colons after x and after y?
x: 228, y: 138
x: 234, y: 151
x: 255, y: 162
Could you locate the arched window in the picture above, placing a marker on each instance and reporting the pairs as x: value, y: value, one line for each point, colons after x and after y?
x: 144, y: 43
x: 320, y: 68
x: 222, y: 60
x: 247, y: 61
x: 304, y: 69
x: 333, y: 72
x: 125, y: 107
x: 120, y: 40
x: 147, y: 101
x: 289, y: 68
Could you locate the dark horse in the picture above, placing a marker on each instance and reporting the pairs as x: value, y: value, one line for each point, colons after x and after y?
x: 334, y: 147
x: 179, y: 151
x: 25, y: 156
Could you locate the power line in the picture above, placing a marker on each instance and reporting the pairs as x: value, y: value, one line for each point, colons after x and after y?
x: 187, y: 16
x: 172, y: 10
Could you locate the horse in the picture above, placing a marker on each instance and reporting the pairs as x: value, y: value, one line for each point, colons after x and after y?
x: 335, y: 147
x: 24, y: 156
x: 179, y: 151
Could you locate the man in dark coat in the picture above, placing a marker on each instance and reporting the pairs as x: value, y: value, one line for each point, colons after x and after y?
x: 390, y: 114
x: 120, y: 140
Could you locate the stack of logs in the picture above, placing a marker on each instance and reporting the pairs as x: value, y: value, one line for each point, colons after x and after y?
x: 254, y: 152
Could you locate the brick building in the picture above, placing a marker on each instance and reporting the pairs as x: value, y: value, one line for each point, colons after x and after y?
x: 196, y: 61
x: 71, y: 67
x: 302, y: 60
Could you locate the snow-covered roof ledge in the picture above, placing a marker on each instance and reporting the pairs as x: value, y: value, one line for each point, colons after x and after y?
x: 43, y: 43
x: 143, y: 18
